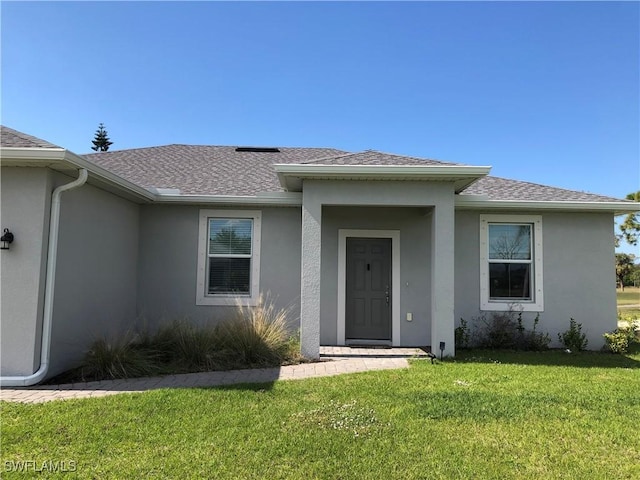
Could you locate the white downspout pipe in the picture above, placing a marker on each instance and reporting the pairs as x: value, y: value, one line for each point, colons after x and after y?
x: 54, y: 228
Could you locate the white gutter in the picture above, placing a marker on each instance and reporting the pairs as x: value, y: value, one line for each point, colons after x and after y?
x: 54, y: 227
x: 282, y: 199
x: 480, y: 202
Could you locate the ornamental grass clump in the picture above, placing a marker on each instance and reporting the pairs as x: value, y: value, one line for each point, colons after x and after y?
x: 257, y: 335
x: 186, y: 347
x: 123, y: 358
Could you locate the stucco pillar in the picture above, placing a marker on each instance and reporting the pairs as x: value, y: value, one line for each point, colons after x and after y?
x: 310, y: 283
x: 442, y: 278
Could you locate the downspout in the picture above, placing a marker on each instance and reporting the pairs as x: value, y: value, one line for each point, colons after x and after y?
x: 52, y: 253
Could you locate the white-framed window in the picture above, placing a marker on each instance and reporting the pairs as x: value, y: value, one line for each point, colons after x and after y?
x: 228, y: 257
x: 511, y: 263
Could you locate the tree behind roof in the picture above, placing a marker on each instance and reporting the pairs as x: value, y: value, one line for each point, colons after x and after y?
x: 101, y: 142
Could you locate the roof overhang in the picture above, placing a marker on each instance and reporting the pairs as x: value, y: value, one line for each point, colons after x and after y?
x: 282, y: 199
x: 472, y: 202
x: 291, y: 176
x: 67, y: 162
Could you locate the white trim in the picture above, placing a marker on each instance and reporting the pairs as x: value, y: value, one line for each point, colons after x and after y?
x: 394, y: 235
x: 57, y: 158
x: 537, y: 303
x: 477, y: 202
x: 202, y: 298
x: 291, y: 175
x: 285, y: 199
x: 338, y: 170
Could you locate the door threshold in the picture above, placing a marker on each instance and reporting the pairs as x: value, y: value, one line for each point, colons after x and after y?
x: 368, y: 343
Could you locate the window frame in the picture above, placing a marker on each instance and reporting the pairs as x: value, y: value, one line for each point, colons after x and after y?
x: 536, y: 303
x: 228, y: 299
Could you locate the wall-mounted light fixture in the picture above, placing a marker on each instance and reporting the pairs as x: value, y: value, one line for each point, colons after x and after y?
x: 441, y: 349
x: 6, y: 239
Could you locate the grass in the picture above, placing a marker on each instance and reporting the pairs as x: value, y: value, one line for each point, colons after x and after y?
x: 485, y: 415
x: 630, y: 296
x: 626, y: 312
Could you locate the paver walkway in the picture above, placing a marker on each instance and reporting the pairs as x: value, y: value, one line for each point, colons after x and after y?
x: 334, y: 361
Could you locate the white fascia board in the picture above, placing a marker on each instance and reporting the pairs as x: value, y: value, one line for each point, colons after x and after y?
x: 58, y: 157
x: 618, y: 208
x: 277, y: 199
x: 290, y: 175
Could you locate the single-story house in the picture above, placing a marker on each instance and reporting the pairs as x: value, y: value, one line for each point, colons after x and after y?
x: 366, y: 247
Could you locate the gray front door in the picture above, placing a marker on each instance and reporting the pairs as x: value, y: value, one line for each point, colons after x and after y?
x: 368, y: 284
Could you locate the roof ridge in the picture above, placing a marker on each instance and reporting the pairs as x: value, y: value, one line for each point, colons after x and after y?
x: 332, y: 157
x: 125, y: 150
x: 416, y: 158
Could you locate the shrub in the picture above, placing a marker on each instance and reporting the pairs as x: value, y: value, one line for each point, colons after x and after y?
x: 619, y: 340
x: 461, y: 335
x: 574, y: 339
x: 506, y: 330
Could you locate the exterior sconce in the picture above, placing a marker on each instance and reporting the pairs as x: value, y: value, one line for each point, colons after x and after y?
x: 6, y: 239
x: 441, y: 349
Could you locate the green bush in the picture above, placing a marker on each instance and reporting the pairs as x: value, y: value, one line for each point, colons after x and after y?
x: 461, y: 335
x: 506, y: 330
x: 574, y: 339
x: 620, y: 339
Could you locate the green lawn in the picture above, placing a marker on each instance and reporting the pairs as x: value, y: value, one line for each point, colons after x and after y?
x: 630, y: 296
x: 491, y: 415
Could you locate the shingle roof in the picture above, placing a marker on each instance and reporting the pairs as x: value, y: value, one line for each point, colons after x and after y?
x: 372, y: 157
x: 496, y: 188
x: 221, y: 170
x: 12, y: 138
x: 205, y: 170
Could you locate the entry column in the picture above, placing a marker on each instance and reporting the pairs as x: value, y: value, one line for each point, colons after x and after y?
x: 442, y: 278
x: 310, y: 281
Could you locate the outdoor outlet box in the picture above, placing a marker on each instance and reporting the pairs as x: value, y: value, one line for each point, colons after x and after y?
x: 409, y: 316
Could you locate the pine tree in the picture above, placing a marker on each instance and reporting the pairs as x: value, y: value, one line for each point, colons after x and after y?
x: 101, y: 141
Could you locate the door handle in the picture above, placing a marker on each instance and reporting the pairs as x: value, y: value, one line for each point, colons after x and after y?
x: 386, y: 294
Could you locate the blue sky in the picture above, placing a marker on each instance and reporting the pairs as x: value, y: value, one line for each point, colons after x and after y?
x: 547, y: 92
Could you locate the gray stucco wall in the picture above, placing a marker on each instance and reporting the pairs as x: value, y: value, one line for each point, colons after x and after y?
x: 96, y: 277
x: 578, y: 266
x: 169, y: 259
x: 414, y: 225
x: 25, y: 211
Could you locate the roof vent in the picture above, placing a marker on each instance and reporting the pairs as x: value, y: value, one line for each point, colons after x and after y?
x: 258, y: 149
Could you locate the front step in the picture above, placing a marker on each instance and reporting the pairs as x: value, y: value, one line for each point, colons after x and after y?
x: 373, y: 351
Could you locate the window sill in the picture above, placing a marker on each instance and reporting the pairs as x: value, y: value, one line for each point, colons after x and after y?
x: 227, y: 300
x: 505, y: 306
